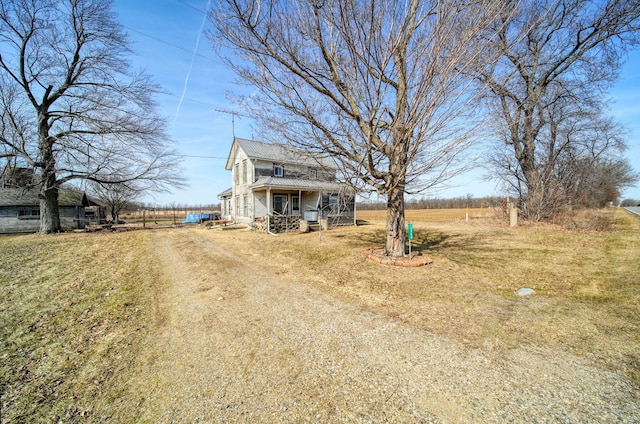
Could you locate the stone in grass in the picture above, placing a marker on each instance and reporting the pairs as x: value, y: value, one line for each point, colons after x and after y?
x: 525, y: 292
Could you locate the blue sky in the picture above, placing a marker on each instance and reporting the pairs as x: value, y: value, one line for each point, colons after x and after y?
x: 170, y: 46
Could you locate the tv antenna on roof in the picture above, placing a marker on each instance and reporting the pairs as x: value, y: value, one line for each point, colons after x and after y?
x: 233, y: 119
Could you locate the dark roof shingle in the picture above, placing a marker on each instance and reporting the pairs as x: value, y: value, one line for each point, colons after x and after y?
x: 22, y: 197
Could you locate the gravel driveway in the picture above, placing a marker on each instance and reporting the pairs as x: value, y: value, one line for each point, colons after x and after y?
x: 233, y: 342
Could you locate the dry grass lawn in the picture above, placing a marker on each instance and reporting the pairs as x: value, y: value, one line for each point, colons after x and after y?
x: 73, y: 312
x: 75, y: 308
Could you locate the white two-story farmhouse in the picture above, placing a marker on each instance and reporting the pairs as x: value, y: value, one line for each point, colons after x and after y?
x: 275, y: 188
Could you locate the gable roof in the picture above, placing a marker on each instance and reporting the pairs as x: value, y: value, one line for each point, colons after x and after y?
x: 276, y: 153
x: 22, y: 197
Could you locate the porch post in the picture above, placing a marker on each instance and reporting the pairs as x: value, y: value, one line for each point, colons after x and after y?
x: 355, y: 220
x: 252, y: 202
x: 268, y: 207
x: 320, y: 215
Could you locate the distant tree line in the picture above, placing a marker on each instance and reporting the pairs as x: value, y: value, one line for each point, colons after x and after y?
x: 436, y: 203
x: 630, y: 202
x: 461, y: 202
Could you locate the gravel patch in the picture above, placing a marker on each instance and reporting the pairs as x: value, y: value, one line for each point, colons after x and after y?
x: 235, y: 343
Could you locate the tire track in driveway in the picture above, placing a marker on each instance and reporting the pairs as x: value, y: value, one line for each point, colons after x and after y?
x: 240, y: 344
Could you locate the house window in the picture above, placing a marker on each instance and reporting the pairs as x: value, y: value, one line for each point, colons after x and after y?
x: 29, y: 213
x: 245, y: 206
x: 244, y: 171
x: 278, y: 171
x: 236, y: 172
x: 280, y: 204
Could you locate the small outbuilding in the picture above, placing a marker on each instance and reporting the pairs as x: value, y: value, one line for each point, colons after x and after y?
x: 20, y: 210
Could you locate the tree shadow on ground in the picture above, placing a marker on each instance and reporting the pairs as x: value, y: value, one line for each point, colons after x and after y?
x: 427, y: 241
x: 360, y: 222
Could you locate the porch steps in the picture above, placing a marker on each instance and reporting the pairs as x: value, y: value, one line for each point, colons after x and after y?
x: 314, y: 226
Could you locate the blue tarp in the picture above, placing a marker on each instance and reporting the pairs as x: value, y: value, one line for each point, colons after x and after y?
x: 194, y: 218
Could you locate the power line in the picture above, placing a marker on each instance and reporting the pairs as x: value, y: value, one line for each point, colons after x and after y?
x: 217, y: 107
x: 171, y: 44
x: 189, y: 99
x: 203, y: 157
x: 192, y: 7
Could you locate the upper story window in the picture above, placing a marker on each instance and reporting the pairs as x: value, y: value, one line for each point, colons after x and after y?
x: 244, y: 171
x: 278, y: 171
x: 236, y: 174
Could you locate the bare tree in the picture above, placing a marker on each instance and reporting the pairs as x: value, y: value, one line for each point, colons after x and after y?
x: 116, y: 197
x: 71, y: 107
x: 581, y: 162
x: 590, y: 165
x: 379, y: 86
x: 558, y: 59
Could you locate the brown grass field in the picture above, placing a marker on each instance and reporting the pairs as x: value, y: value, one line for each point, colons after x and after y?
x: 75, y: 309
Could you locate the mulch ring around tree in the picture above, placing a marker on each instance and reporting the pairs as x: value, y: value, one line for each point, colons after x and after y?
x: 416, y: 258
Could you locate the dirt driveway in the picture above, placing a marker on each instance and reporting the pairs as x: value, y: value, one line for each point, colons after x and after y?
x: 235, y: 342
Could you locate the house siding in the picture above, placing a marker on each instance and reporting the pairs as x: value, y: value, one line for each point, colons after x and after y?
x: 260, y: 200
x: 240, y: 189
x: 71, y: 217
x: 10, y: 223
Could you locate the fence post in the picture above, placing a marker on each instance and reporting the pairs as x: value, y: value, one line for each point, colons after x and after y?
x: 513, y: 217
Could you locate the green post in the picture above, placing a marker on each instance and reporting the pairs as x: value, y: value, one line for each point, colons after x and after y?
x: 410, y: 236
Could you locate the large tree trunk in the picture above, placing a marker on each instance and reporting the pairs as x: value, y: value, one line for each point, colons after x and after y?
x: 396, y: 234
x: 49, y: 213
x: 538, y: 202
x: 523, y: 137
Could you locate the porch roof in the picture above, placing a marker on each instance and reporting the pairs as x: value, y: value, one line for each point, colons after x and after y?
x: 227, y: 193
x: 296, y: 184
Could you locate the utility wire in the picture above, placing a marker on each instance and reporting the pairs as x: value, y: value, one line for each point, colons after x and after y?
x: 189, y: 99
x: 202, y: 157
x: 192, y: 7
x: 172, y: 45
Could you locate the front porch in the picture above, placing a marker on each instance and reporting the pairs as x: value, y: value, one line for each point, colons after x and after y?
x: 279, y: 209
